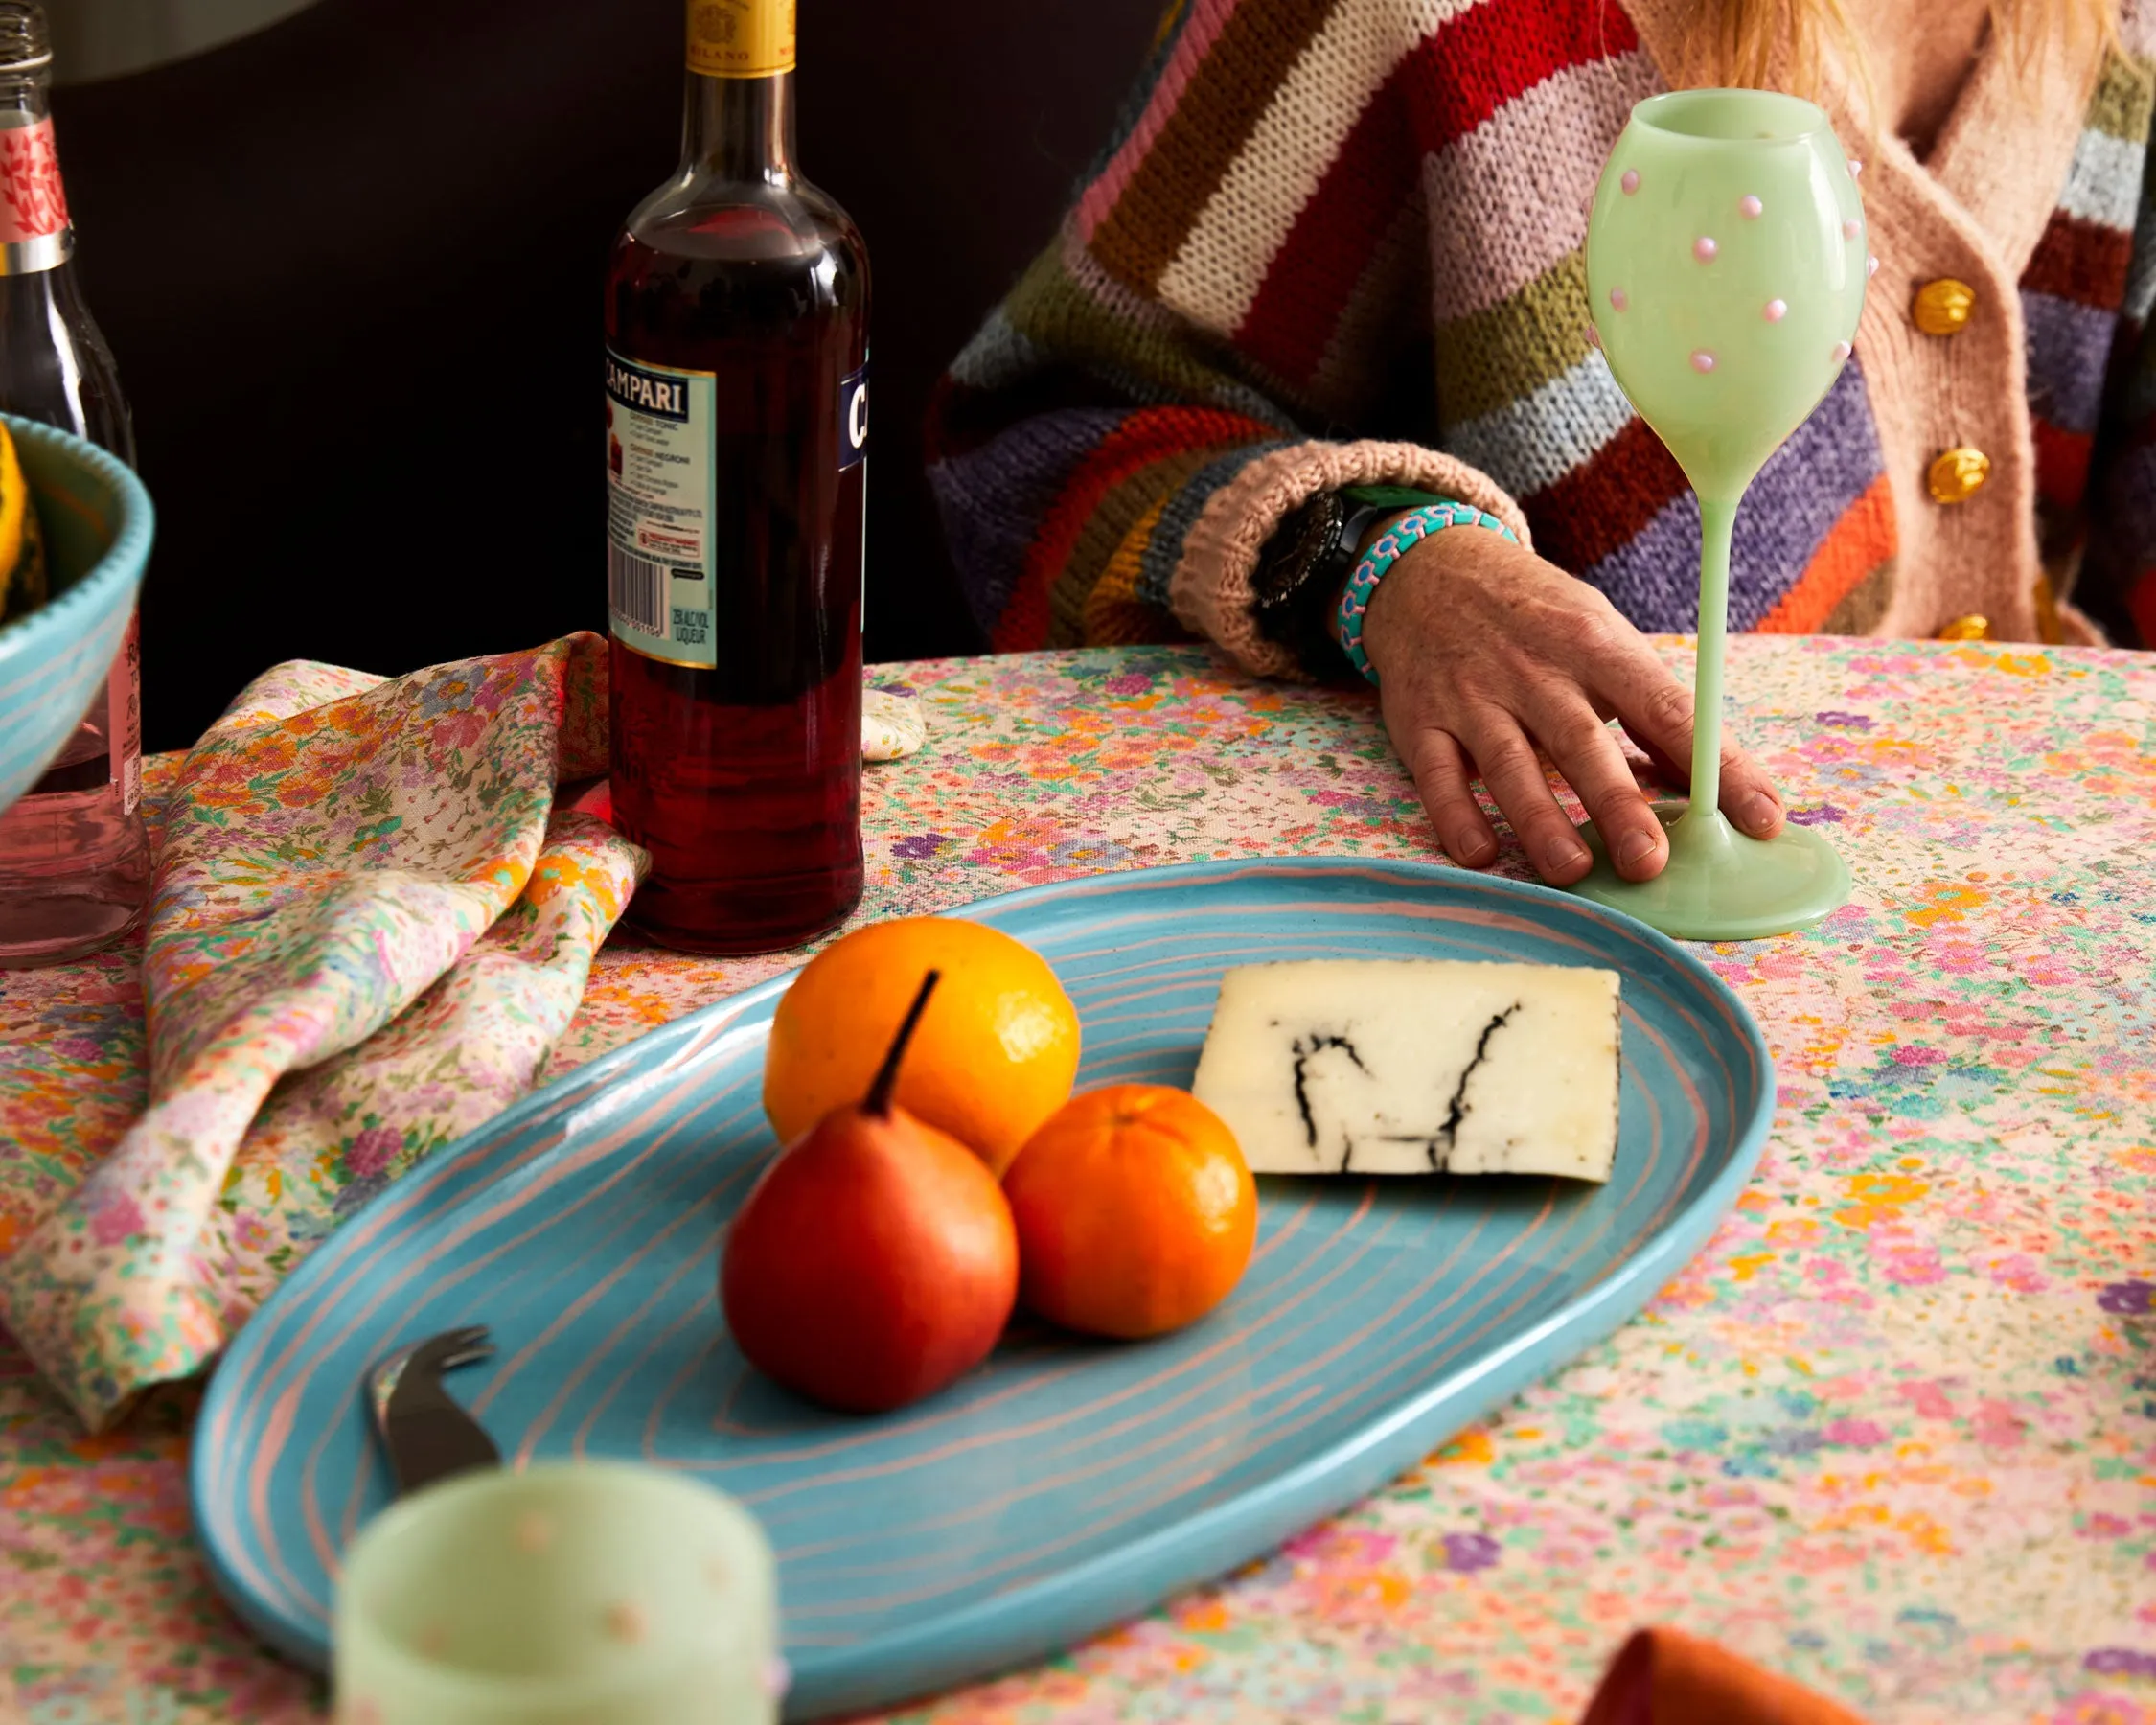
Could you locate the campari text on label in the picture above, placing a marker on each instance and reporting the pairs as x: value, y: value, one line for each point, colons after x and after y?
x: 647, y: 392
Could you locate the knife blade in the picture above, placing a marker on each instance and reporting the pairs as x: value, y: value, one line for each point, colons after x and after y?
x: 427, y: 1434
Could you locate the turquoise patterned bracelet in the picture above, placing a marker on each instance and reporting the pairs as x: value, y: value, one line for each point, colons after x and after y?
x: 1384, y: 552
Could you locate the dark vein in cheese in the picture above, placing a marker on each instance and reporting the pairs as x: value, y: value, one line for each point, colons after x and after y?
x: 1456, y: 1111
x: 1307, y: 1049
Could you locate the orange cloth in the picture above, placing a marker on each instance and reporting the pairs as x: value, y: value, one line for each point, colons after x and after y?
x: 1665, y: 1677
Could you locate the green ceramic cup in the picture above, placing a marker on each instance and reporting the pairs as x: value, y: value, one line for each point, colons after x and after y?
x: 1726, y: 264
x: 593, y: 1593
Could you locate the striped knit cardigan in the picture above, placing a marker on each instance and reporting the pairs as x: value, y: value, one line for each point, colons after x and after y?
x: 1339, y: 241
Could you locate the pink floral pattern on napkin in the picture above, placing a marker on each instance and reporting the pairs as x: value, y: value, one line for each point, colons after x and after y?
x: 370, y: 925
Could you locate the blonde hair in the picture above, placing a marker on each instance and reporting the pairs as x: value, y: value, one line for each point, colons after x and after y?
x: 1744, y: 42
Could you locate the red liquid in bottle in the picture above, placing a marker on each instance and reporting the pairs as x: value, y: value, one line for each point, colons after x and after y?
x: 737, y: 299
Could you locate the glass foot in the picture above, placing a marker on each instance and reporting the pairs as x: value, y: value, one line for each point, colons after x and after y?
x: 1719, y: 884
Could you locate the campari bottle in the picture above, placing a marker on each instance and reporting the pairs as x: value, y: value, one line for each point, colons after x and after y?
x: 74, y: 857
x: 737, y: 403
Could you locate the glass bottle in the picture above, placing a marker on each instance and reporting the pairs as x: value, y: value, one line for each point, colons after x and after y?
x: 74, y: 855
x: 736, y: 398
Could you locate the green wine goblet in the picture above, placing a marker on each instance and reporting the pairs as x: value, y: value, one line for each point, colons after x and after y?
x: 1726, y: 266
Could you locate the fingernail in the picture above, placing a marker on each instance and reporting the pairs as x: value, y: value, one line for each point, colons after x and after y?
x: 1563, y: 853
x: 1634, y: 847
x: 1473, y: 846
x: 1759, y: 812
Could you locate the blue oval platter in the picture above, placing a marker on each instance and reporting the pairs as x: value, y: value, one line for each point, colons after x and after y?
x: 1067, y: 1483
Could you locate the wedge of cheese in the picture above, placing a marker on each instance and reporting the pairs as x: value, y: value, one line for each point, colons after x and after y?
x: 1416, y: 1066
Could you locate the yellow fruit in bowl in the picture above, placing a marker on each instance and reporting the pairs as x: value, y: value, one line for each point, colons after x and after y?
x: 22, y: 547
x: 995, y: 1054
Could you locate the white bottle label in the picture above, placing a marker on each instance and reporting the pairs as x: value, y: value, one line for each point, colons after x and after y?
x: 660, y: 508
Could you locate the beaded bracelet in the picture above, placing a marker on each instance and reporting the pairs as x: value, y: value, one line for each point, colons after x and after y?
x: 1384, y: 552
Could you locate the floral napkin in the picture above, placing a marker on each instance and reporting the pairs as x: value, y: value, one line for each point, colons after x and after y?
x: 372, y: 921
x: 369, y: 926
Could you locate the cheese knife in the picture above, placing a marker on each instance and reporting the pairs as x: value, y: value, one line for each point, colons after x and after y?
x: 427, y: 1434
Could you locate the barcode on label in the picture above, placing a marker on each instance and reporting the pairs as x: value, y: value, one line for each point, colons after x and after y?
x: 636, y: 590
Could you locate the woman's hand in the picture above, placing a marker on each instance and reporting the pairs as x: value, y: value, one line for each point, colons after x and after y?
x: 1487, y: 652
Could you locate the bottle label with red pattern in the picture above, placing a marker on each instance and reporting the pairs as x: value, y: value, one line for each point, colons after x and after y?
x: 33, y: 202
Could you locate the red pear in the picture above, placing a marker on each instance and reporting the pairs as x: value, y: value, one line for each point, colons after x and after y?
x: 876, y: 1260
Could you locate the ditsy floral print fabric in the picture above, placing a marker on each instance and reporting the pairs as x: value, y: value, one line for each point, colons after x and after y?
x: 369, y: 927
x: 891, y: 727
x: 1892, y: 1433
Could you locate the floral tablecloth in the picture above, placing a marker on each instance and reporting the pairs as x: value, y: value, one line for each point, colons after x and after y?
x: 1892, y: 1433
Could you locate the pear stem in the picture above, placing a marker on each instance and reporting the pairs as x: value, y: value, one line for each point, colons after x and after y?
x: 879, y: 1099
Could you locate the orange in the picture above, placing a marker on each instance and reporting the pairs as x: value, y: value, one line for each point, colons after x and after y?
x: 1135, y: 1211
x: 994, y: 1056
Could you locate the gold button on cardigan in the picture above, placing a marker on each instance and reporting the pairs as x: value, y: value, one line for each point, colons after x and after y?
x: 1958, y: 475
x: 1943, y: 307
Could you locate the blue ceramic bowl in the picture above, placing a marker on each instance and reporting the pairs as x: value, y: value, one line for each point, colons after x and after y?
x: 98, y: 523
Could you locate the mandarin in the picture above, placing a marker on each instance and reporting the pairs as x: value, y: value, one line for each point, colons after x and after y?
x: 1135, y: 1211
x: 994, y: 1055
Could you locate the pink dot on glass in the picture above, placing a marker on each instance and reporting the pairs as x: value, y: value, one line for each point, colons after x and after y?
x: 1749, y: 207
x: 1703, y: 361
x: 1704, y: 248
x: 1775, y: 311
x: 1841, y: 352
x: 1617, y: 301
x: 1629, y: 180
x: 1872, y: 266
x: 1594, y: 336
x: 1851, y: 229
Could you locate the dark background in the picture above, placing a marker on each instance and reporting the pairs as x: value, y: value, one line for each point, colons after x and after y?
x: 351, y: 269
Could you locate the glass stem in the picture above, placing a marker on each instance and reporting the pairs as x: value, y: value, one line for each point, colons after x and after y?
x: 1715, y: 521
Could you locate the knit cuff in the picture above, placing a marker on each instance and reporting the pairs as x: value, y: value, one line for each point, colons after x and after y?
x: 1211, y: 592
x: 2078, y: 629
